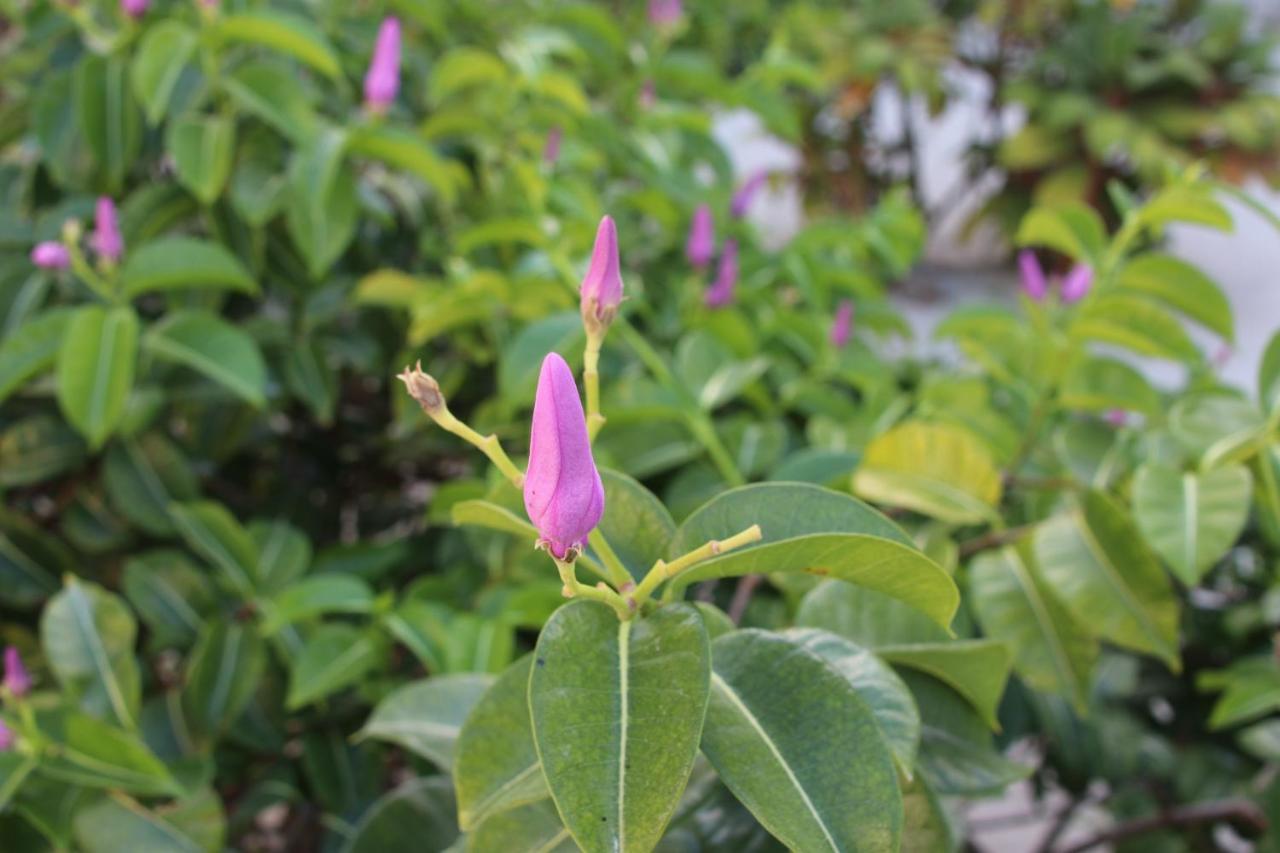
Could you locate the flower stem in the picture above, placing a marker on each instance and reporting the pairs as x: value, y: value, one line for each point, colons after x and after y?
x: 591, y: 379
x: 617, y: 572
x: 663, y: 571
x: 486, y: 444
x: 600, y: 592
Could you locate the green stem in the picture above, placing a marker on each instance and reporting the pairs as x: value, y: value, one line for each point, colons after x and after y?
x: 616, y: 572
x: 663, y: 571
x: 591, y: 380
x: 574, y: 589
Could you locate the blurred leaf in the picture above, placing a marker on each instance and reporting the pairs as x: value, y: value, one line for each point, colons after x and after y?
x: 96, y: 365
x: 528, y: 828
x: 403, y: 150
x: 214, y: 348
x: 334, y: 657
x: 284, y: 32
x: 201, y: 148
x: 426, y: 717
x: 181, y: 263
x: 1074, y: 229
x: 32, y: 348
x: 117, y: 822
x: 30, y: 562
x: 316, y: 596
x: 1136, y: 324
x: 99, y: 755
x: 38, y: 448
x: 171, y: 596
x: 1251, y: 688
x: 1096, y: 384
x: 1181, y: 287
x: 418, y: 815
x: 1191, y: 519
x: 163, y: 53
x: 223, y: 675
x: 273, y: 93
x: 143, y: 476
x: 213, y: 533
x: 321, y: 206
x: 110, y: 120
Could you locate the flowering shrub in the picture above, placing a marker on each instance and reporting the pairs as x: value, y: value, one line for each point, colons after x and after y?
x: 257, y: 596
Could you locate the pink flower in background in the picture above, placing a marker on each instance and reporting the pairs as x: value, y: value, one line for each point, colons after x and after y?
x: 51, y: 255
x: 1223, y: 355
x: 601, y: 289
x: 664, y: 13
x: 106, y: 239
x: 1077, y: 282
x: 16, y: 679
x: 701, y: 245
x: 7, y: 737
x: 648, y: 95
x: 720, y: 293
x: 382, y: 81
x: 1117, y: 417
x: 746, y: 194
x: 842, y: 326
x: 1033, y: 280
x: 551, y: 151
x: 563, y: 493
x: 134, y: 8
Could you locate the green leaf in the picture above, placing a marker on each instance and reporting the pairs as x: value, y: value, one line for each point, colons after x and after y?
x: 1181, y: 287
x: 1218, y: 428
x: 32, y: 348
x: 867, y: 617
x: 956, y: 755
x: 876, y: 684
x: 334, y: 657
x: 1191, y: 519
x: 976, y: 669
x: 117, y: 822
x: 213, y: 533
x: 617, y: 709
x: 1096, y: 384
x: 406, y: 151
x: 418, y: 815
x: 321, y: 205
x: 926, y: 826
x: 532, y: 828
x: 464, y: 68
x: 91, y: 752
x: 284, y: 553
x: 280, y: 31
x: 426, y: 716
x: 1184, y: 204
x: 88, y: 635
x: 110, y: 121
x: 96, y: 364
x: 497, y: 766
x: 171, y: 596
x: 1136, y: 324
x: 162, y: 55
x: 769, y: 698
x: 30, y: 562
x: 38, y: 448
x: 272, y: 92
x: 937, y: 469
x: 183, y: 263
x: 635, y: 523
x: 1268, y: 374
x: 817, y: 466
x: 1251, y: 688
x: 316, y: 596
x: 201, y: 148
x: 1093, y: 558
x: 143, y: 476
x: 1072, y: 228
x: 1014, y: 603
x: 310, y: 379
x: 224, y: 672
x: 213, y: 348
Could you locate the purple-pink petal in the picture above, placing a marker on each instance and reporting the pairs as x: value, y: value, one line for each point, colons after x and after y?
x: 1077, y: 282
x: 842, y: 326
x: 603, y: 281
x: 16, y: 679
x: 134, y: 8
x: 51, y: 255
x: 721, y: 291
x: 1033, y: 280
x: 701, y: 245
x: 106, y: 240
x: 746, y: 194
x: 551, y: 151
x: 7, y: 737
x: 664, y: 13
x: 563, y: 493
x: 382, y: 81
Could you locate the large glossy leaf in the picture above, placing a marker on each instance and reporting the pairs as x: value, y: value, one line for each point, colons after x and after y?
x: 876, y: 684
x: 1179, y: 286
x: 183, y: 263
x: 1094, y: 559
x: 869, y: 618
x: 163, y: 53
x: 110, y: 120
x: 214, y: 348
x: 956, y: 755
x: 334, y: 657
x: 223, y: 675
x: 937, y: 469
x: 96, y: 364
x: 143, y: 476
x: 1014, y: 603
x: 213, y: 533
x: 426, y: 716
x: 1191, y: 518
x: 88, y: 635
x: 976, y: 669
x: 769, y: 697
x: 418, y: 815
x: 617, y: 710
x: 497, y: 765
x: 635, y: 523
x: 283, y: 32
x: 532, y: 828
x: 32, y: 348
x: 116, y: 822
x: 94, y: 753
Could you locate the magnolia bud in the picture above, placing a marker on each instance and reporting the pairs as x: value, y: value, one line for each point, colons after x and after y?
x: 601, y: 289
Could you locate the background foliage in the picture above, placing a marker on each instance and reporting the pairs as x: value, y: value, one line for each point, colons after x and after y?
x: 228, y: 540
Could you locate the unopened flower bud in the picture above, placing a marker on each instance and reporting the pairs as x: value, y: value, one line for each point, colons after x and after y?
x: 382, y: 81
x: 16, y: 680
x: 423, y: 388
x: 51, y: 255
x: 746, y: 194
x: 701, y: 245
x: 720, y: 293
x: 1076, y: 284
x: 134, y: 8
x: 601, y: 289
x: 107, y: 241
x: 7, y: 737
x: 842, y: 326
x: 1033, y: 281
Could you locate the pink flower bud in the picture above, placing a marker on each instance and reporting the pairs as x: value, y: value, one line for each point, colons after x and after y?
x: 842, y: 326
x: 720, y: 293
x: 562, y: 490
x: 16, y: 679
x: 382, y: 81
x: 1117, y: 417
x: 746, y: 194
x: 134, y: 8
x: 602, y: 285
x: 1222, y: 355
x: 106, y: 240
x: 701, y: 246
x: 648, y: 95
x: 7, y: 737
x: 551, y: 152
x: 665, y: 13
x: 1033, y: 281
x: 1077, y: 283
x: 51, y: 255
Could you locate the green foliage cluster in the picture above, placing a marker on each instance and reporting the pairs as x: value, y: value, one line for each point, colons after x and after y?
x: 265, y: 601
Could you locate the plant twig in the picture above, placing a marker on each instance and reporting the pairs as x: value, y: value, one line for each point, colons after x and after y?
x: 1240, y: 813
x: 993, y: 539
x: 742, y: 597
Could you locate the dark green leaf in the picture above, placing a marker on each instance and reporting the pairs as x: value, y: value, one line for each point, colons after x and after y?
x: 96, y: 364
x: 426, y: 716
x: 184, y: 263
